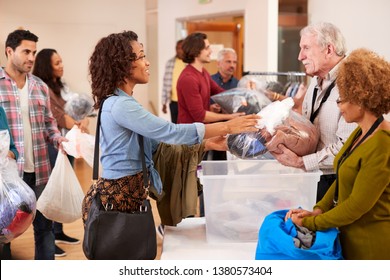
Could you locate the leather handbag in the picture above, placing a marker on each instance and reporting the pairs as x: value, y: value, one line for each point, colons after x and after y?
x: 118, y: 235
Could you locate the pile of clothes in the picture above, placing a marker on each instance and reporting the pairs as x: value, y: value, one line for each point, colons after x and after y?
x: 279, y: 124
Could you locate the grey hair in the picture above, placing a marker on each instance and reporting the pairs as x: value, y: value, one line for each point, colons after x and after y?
x: 222, y: 52
x: 327, y: 33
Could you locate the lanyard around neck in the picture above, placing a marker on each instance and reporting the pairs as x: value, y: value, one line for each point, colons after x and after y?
x: 349, y: 151
x: 313, y: 114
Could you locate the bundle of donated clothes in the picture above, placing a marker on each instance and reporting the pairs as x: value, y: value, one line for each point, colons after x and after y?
x: 279, y: 124
x: 17, y: 199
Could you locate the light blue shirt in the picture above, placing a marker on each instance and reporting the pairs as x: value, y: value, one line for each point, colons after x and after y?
x: 122, y: 119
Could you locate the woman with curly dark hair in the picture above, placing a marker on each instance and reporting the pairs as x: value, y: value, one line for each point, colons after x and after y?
x: 116, y: 66
x: 358, y: 202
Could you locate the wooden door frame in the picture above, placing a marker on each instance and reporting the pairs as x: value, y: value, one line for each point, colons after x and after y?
x: 215, y: 26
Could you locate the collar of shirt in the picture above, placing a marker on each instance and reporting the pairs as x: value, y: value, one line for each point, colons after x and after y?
x: 330, y: 77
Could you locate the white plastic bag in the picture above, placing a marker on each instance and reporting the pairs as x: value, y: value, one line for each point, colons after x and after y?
x: 61, y: 200
x: 80, y: 145
x: 17, y: 199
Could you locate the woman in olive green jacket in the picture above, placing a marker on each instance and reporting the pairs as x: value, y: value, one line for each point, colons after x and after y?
x: 358, y: 202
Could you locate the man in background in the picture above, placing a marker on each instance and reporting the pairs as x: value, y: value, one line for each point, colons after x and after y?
x: 173, y: 68
x: 25, y: 99
x: 227, y: 65
x: 195, y: 85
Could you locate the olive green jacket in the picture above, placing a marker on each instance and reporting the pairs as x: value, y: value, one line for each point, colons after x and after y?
x: 363, y: 211
x: 177, y: 166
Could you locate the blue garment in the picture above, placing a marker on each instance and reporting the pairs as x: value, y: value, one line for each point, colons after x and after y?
x: 122, y: 119
x: 232, y: 83
x: 276, y: 241
x: 246, y: 145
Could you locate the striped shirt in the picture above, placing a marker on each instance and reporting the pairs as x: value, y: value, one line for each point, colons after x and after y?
x: 170, y: 79
x: 43, y: 125
x: 167, y: 83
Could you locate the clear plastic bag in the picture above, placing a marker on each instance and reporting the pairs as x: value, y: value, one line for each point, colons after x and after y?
x: 297, y: 133
x: 246, y: 145
x: 261, y: 84
x: 79, y: 106
x: 17, y: 199
x: 61, y: 200
x: 241, y: 100
x: 278, y: 125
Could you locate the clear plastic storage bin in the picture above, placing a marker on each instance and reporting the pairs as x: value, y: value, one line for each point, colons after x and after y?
x: 238, y: 194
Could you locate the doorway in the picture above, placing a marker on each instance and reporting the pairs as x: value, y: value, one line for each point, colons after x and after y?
x: 222, y: 33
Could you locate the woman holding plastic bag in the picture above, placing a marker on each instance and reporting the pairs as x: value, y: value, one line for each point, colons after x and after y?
x: 49, y: 67
x: 17, y: 200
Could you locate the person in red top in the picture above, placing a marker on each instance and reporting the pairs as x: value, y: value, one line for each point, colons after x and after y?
x: 195, y: 86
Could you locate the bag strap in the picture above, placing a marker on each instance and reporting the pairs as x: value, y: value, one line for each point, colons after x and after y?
x: 349, y: 151
x: 313, y: 114
x: 95, y: 173
x: 144, y: 170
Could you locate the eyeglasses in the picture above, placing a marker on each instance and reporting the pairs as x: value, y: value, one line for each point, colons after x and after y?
x: 142, y: 57
x: 339, y: 101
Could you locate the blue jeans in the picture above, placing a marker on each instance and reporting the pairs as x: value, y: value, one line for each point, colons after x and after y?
x: 43, y: 228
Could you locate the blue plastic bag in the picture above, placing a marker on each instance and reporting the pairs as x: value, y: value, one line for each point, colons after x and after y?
x: 276, y: 241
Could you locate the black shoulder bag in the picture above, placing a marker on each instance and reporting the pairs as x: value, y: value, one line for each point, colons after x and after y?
x: 116, y: 235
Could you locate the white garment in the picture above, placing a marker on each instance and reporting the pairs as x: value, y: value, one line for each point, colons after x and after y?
x: 28, y: 146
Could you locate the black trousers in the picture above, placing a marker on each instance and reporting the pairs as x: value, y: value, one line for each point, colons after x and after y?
x: 324, y: 184
x: 174, y: 108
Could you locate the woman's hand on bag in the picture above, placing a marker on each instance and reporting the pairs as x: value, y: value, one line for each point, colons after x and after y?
x: 218, y: 143
x: 245, y: 123
x: 297, y: 215
x: 299, y: 212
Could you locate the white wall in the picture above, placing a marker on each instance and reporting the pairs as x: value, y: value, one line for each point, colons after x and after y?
x: 364, y: 23
x: 261, y: 25
x: 73, y: 28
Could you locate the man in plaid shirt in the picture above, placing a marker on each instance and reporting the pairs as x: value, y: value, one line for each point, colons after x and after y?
x: 25, y: 99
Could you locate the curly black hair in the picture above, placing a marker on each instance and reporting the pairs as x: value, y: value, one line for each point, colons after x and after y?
x: 110, y: 64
